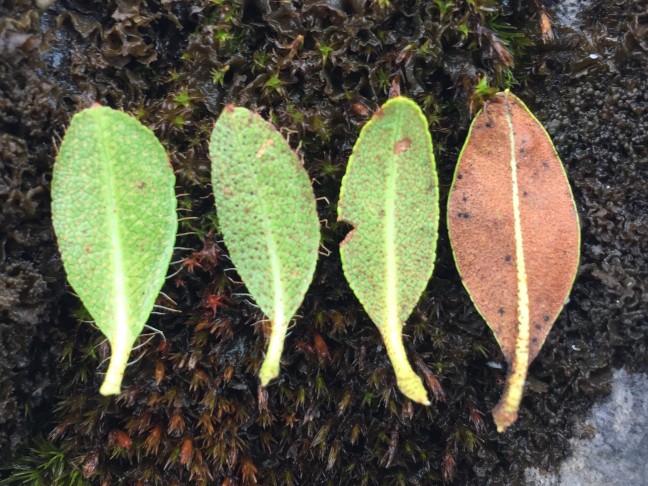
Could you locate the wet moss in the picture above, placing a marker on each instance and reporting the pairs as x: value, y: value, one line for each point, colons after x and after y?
x: 192, y: 409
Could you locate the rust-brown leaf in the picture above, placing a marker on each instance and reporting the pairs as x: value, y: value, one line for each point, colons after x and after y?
x: 515, y: 234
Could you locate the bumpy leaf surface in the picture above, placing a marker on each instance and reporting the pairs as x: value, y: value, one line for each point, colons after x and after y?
x: 515, y: 234
x: 390, y: 196
x: 114, y: 214
x: 267, y: 213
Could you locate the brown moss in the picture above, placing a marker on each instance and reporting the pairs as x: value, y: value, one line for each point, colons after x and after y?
x: 192, y: 409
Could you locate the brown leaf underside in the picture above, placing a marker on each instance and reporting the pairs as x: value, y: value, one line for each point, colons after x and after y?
x: 482, y: 224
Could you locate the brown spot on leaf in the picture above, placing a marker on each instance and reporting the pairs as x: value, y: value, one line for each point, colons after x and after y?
x: 402, y: 145
x: 268, y: 143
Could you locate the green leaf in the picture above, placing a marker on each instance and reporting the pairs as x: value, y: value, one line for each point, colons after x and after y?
x: 114, y: 212
x: 515, y: 234
x: 390, y: 196
x: 268, y: 216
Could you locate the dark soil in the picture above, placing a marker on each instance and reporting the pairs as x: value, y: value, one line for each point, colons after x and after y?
x: 192, y: 411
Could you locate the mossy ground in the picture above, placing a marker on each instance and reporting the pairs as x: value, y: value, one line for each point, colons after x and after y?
x: 192, y: 410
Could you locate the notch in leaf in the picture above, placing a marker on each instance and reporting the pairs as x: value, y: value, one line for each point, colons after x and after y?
x: 390, y: 196
x: 114, y: 214
x: 268, y: 217
x: 515, y: 235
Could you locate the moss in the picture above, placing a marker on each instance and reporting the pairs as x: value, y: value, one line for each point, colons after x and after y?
x: 192, y: 407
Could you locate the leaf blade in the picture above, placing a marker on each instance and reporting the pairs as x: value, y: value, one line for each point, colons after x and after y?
x: 515, y: 235
x: 268, y: 217
x: 388, y: 257
x: 113, y: 210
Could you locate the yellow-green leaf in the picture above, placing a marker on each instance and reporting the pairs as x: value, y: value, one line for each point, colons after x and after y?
x: 114, y: 214
x: 390, y: 196
x: 267, y: 213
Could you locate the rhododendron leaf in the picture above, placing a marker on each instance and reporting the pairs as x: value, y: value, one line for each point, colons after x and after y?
x: 515, y: 234
x: 390, y: 196
x: 267, y: 214
x: 114, y: 214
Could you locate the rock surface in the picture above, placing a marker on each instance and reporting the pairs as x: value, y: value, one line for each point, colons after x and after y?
x: 611, y: 446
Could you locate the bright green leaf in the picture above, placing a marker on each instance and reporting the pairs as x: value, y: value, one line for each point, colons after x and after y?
x: 114, y: 213
x: 390, y: 196
x: 267, y: 213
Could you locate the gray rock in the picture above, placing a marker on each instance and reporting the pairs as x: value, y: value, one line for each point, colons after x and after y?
x: 612, y: 444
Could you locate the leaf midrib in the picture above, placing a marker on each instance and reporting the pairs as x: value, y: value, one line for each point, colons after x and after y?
x: 279, y: 316
x: 522, y: 341
x: 120, y: 299
x: 390, y: 234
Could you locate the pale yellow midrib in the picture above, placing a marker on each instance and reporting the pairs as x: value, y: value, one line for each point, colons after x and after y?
x: 270, y: 367
x: 121, y: 339
x: 521, y: 354
x: 120, y: 300
x: 408, y: 381
x: 279, y: 325
x: 279, y: 304
x: 393, y: 321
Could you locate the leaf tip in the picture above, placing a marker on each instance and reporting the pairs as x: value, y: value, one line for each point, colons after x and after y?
x: 268, y: 372
x: 108, y: 389
x: 504, y: 418
x: 116, y: 368
x: 412, y: 387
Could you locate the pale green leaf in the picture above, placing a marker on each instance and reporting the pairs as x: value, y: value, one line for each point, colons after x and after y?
x: 390, y: 196
x: 114, y: 214
x: 267, y: 214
